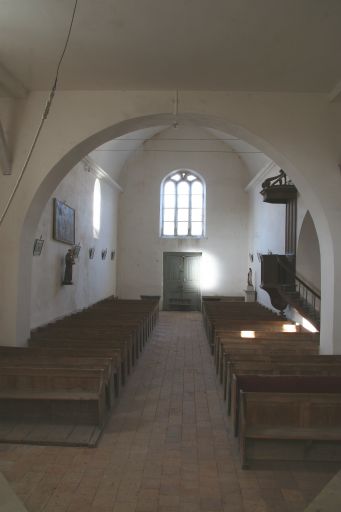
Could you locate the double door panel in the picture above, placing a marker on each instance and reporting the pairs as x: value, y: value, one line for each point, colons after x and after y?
x: 181, y: 281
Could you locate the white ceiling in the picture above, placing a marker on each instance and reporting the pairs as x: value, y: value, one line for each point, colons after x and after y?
x: 259, y: 45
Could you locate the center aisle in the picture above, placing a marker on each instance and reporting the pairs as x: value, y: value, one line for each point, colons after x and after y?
x: 168, y: 431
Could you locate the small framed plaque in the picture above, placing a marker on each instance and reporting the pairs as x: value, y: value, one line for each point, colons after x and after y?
x: 38, y: 246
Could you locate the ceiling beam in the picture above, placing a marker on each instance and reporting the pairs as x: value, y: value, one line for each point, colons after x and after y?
x: 335, y: 94
x: 11, y: 85
x: 5, y: 160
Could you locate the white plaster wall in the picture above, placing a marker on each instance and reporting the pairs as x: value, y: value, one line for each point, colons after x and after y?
x: 308, y: 261
x: 93, y: 279
x: 140, y: 248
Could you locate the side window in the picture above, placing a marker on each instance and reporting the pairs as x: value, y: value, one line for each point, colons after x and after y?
x: 96, y: 212
x: 183, y: 205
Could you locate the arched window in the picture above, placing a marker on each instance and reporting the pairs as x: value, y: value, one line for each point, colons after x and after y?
x: 96, y: 212
x: 183, y: 205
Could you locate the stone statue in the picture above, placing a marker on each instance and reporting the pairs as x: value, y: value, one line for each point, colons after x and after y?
x: 69, y: 261
x: 249, y: 277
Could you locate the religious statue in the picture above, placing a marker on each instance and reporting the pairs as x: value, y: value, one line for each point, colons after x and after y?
x: 249, y: 277
x: 69, y: 261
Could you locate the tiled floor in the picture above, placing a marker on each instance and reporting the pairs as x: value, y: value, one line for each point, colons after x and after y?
x: 166, y: 447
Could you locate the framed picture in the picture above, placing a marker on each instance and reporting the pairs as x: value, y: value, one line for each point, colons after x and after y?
x: 38, y: 246
x: 63, y: 222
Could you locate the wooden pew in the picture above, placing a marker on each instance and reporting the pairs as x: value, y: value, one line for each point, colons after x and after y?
x: 52, y: 394
x: 220, y: 314
x: 71, y: 372
x: 266, y: 340
x: 295, y: 418
x: 259, y: 330
x: 293, y: 368
x: 102, y: 348
x: 91, y: 335
x: 269, y: 348
x: 21, y: 356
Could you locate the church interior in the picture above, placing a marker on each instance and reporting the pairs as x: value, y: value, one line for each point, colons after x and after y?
x: 170, y: 260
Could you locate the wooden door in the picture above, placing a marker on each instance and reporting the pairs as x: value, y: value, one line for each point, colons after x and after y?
x: 181, y: 281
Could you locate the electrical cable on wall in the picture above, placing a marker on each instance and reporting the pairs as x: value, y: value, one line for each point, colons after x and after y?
x: 44, y: 117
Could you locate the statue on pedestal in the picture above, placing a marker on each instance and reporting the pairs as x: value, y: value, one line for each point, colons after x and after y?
x: 249, y: 278
x: 69, y: 262
x: 250, y: 293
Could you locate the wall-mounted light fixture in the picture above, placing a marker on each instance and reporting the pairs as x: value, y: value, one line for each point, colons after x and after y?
x: 91, y: 253
x: 104, y: 254
x: 112, y: 255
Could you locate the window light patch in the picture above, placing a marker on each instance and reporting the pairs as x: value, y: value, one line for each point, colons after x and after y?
x: 309, y: 326
x: 289, y: 328
x: 247, y: 334
x: 96, y: 215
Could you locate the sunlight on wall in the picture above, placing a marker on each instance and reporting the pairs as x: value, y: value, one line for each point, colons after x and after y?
x: 96, y: 215
x: 307, y: 325
x: 209, y: 272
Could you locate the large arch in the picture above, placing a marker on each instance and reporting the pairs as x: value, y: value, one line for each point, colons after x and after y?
x: 44, y: 187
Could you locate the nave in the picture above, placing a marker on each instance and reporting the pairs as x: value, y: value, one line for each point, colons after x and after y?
x: 166, y: 446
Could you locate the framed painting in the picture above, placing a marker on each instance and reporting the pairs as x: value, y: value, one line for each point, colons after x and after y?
x: 63, y: 222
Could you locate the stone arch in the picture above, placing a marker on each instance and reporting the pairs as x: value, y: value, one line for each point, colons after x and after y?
x: 73, y: 156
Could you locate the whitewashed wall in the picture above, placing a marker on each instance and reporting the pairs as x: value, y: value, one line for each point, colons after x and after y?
x: 308, y: 254
x: 308, y: 261
x: 93, y: 279
x: 140, y: 248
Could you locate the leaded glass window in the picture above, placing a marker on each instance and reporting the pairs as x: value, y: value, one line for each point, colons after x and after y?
x: 183, y: 205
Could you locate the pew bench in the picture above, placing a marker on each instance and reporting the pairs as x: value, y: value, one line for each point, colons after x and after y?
x: 53, y: 394
x: 290, y: 426
x: 269, y: 361
x: 262, y: 338
x: 87, y: 346
x: 36, y: 358
x: 288, y: 370
x: 289, y: 343
x: 260, y: 329
x: 290, y: 407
